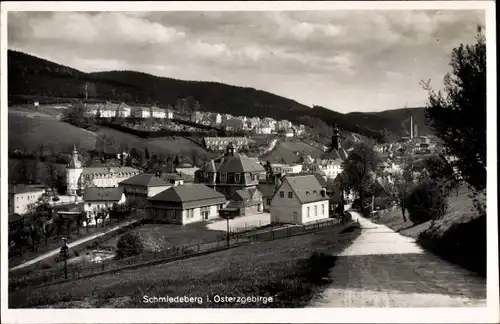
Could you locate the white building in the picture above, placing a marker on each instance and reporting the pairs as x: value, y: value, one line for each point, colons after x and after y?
x: 186, y: 204
x: 289, y: 132
x: 158, y: 113
x: 22, y: 196
x: 279, y: 168
x: 100, y: 200
x: 330, y: 168
x: 143, y: 186
x: 170, y: 114
x: 263, y: 129
x: 142, y: 112
x: 298, y: 200
x: 79, y: 177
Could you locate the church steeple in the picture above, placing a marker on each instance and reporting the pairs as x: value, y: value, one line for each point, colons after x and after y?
x: 335, y: 138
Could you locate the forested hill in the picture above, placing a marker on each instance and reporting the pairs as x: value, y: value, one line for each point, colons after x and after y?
x: 33, y: 76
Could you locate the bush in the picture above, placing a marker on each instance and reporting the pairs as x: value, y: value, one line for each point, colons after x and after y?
x: 383, y: 202
x: 426, y: 202
x: 129, y: 244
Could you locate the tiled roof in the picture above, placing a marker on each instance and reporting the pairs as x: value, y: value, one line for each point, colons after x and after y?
x: 306, y: 187
x: 104, y: 170
x: 190, y: 196
x: 334, y: 154
x: 102, y: 194
x: 19, y: 189
x: 267, y: 189
x: 145, y: 180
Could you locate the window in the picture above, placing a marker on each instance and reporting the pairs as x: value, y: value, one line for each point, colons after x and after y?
x: 173, y: 214
x: 308, y: 211
x: 307, y: 193
x: 315, y: 192
x: 322, y: 209
x: 223, y: 177
x: 290, y: 195
x: 282, y: 194
x: 237, y: 178
x: 268, y: 201
x: 315, y: 210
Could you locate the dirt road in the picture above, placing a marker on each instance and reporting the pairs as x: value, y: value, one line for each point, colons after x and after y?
x: 385, y: 269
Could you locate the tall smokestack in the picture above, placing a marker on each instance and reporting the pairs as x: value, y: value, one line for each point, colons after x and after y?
x: 411, y: 127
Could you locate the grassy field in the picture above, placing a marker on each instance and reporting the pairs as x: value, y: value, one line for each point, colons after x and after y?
x: 28, y: 129
x: 460, y: 210
x: 286, y: 150
x: 291, y: 271
x: 160, y: 237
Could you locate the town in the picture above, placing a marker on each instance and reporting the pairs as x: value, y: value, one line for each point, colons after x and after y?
x: 131, y: 190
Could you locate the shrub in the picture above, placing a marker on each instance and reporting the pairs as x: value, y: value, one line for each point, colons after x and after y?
x: 383, y: 202
x: 129, y: 244
x: 426, y: 202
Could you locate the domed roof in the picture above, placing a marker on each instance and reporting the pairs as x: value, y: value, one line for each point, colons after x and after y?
x: 75, y: 162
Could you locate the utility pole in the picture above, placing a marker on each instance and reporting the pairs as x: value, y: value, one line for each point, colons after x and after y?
x: 64, y: 255
x: 227, y: 236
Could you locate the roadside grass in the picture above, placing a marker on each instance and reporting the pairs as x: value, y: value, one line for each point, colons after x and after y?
x: 459, y: 237
x: 290, y: 270
x: 160, y: 237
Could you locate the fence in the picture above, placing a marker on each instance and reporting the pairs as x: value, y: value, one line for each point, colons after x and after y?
x: 81, y: 270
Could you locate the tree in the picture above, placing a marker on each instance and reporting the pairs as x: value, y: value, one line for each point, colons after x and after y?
x: 427, y: 201
x: 458, y: 117
x: 129, y: 244
x: 358, y: 168
x: 439, y: 170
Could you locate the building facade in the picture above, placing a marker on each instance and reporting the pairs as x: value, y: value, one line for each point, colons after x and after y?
x: 143, y: 186
x: 231, y: 172
x: 21, y: 197
x: 186, y: 204
x: 79, y: 177
x: 299, y: 200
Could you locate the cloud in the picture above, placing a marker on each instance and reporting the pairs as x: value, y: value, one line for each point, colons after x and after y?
x: 345, y: 60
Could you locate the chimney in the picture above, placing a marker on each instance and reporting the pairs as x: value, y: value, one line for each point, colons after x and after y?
x: 411, y: 127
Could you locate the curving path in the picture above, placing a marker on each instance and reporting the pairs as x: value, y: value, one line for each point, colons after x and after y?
x: 383, y: 268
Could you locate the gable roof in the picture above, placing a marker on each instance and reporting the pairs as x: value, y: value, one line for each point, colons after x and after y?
x: 102, y: 194
x: 266, y: 189
x: 306, y: 187
x: 334, y: 154
x: 190, y: 196
x: 21, y: 188
x: 245, y: 194
x: 105, y: 170
x: 145, y: 180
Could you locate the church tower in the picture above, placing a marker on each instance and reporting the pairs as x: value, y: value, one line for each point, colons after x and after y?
x: 74, y: 170
x: 335, y: 138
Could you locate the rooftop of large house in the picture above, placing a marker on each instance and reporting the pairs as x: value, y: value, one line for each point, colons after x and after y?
x: 146, y: 180
x: 102, y: 194
x: 190, y: 196
x: 107, y: 170
x: 307, y: 188
x: 232, y: 162
x: 23, y: 188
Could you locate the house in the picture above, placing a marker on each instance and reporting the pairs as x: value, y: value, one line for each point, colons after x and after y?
x: 215, y: 118
x: 267, y: 191
x: 220, y: 143
x: 263, y: 129
x: 173, y: 178
x: 186, y: 204
x: 100, y: 199
x: 196, y: 116
x: 289, y: 132
x: 22, y: 196
x: 142, y: 112
x: 231, y: 172
x: 244, y: 202
x: 279, y: 168
x: 169, y: 114
x: 123, y: 110
x: 158, y: 113
x: 298, y: 200
x: 143, y: 186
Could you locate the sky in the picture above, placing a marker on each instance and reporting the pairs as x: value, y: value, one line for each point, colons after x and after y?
x: 342, y: 60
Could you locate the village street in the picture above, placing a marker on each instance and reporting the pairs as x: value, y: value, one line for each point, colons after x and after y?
x: 383, y: 268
